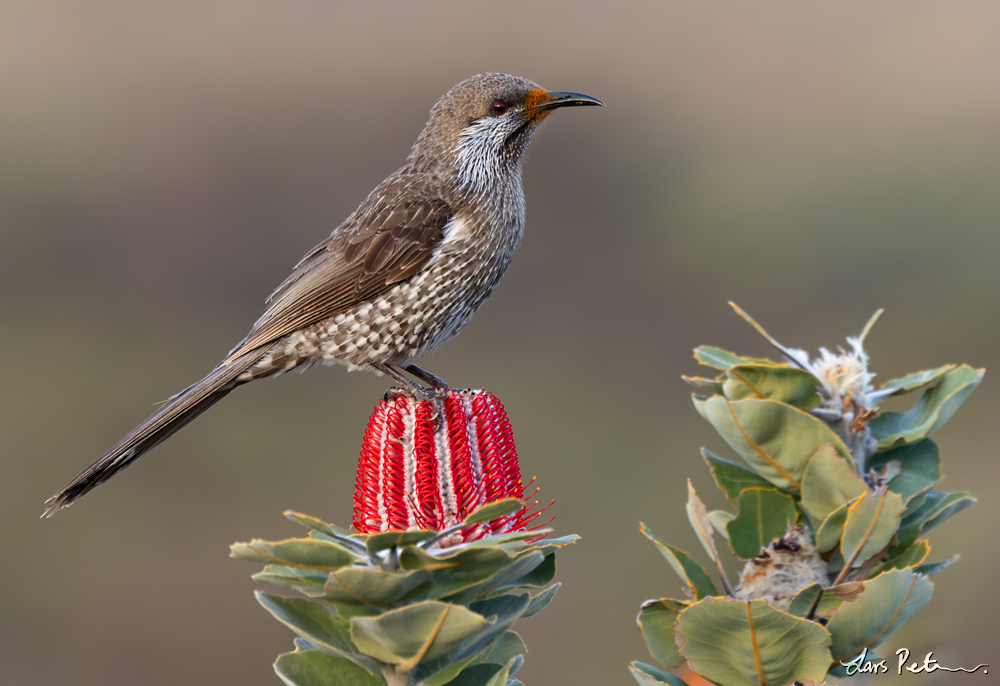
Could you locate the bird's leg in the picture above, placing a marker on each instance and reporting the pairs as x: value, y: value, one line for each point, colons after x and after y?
x: 436, y: 382
x: 437, y: 393
x: 407, y: 386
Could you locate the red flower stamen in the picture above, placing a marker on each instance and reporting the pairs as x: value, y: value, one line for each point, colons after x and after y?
x: 428, y: 464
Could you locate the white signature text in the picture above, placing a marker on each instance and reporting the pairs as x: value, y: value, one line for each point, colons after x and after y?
x: 861, y: 665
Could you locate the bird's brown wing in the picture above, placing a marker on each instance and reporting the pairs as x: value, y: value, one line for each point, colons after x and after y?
x: 391, y: 237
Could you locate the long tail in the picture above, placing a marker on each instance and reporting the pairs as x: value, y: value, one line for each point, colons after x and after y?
x: 171, y: 417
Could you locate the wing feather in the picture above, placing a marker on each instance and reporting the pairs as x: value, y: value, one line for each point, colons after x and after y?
x: 390, y: 238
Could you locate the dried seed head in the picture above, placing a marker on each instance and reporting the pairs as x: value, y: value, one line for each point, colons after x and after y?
x: 783, y: 569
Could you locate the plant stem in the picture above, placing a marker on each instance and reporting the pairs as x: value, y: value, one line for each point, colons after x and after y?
x: 394, y: 677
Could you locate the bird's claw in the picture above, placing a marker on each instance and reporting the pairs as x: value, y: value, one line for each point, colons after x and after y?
x: 418, y: 392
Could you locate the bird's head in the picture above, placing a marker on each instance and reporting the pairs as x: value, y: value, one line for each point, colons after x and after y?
x: 480, y: 128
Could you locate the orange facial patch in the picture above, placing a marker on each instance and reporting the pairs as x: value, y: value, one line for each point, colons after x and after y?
x: 537, y: 97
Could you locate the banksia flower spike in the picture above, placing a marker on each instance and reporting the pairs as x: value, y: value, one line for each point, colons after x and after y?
x: 445, y: 558
x: 428, y: 464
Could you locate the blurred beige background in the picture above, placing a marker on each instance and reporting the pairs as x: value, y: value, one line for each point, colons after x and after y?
x: 164, y: 164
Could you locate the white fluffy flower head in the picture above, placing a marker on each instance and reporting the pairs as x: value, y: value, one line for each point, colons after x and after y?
x: 843, y: 376
x: 845, y: 384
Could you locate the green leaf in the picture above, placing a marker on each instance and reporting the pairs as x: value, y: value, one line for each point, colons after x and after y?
x: 477, y: 675
x: 700, y: 522
x: 462, y: 572
x: 831, y: 530
x: 412, y: 557
x: 698, y: 516
x: 540, y: 600
x: 523, y: 565
x: 919, y: 463
x: 489, y: 674
x: 506, y: 608
x: 656, y: 622
x: 297, y: 577
x: 741, y: 643
x: 648, y: 675
x: 390, y: 539
x: 546, y: 546
x: 505, y: 648
x: 935, y: 407
x: 405, y: 636
x: 372, y: 586
x: 912, y: 505
x: 699, y: 585
x: 537, y: 577
x: 446, y: 676
x: 775, y: 439
x: 950, y: 505
x: 550, y: 544
x: 888, y: 601
x: 490, y: 511
x: 910, y: 557
x: 502, y: 678
x: 905, y: 537
x: 932, y: 568
x: 723, y: 359
x: 782, y: 383
x: 316, y: 524
x: 297, y: 552
x: 321, y: 627
x: 815, y: 602
x: 872, y: 521
x: 912, y: 382
x: 540, y: 576
x: 731, y: 477
x: 710, y: 385
x: 936, y: 508
x: 497, y: 540
x: 720, y: 520
x: 829, y: 483
x: 805, y: 600
x: 316, y: 668
x: 765, y: 514
x: 511, y: 543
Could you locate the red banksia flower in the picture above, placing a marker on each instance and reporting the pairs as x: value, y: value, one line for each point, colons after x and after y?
x: 433, y: 475
x: 428, y: 464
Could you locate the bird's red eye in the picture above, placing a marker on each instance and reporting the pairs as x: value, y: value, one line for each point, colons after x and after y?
x: 499, y: 107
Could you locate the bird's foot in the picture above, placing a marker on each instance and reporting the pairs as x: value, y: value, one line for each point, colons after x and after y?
x: 417, y: 392
x: 436, y: 382
x: 438, y: 390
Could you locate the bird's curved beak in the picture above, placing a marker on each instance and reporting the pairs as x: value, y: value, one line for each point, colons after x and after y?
x: 550, y: 100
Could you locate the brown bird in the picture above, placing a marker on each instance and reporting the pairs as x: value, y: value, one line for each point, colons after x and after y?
x: 399, y: 277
